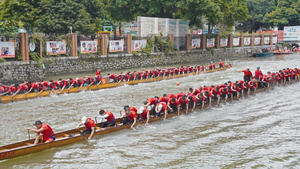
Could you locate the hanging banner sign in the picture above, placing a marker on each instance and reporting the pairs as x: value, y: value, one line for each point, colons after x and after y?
x: 139, y: 44
x: 257, y: 41
x: 247, y: 41
x: 236, y: 41
x: 224, y: 42
x: 56, y: 47
x: 196, y: 43
x: 88, y: 46
x: 116, y: 46
x: 274, y: 39
x: 266, y: 40
x: 211, y: 43
x: 7, y: 49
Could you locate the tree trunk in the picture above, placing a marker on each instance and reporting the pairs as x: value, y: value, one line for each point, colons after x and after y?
x: 120, y: 30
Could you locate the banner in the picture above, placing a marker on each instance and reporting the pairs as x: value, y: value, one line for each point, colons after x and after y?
x: 196, y: 43
x: 139, y: 44
x: 56, y: 47
x: 274, y: 39
x: 7, y: 49
x: 266, y: 40
x: 257, y: 41
x: 116, y: 46
x: 236, y: 41
x: 211, y: 42
x: 88, y: 46
x: 291, y: 33
x: 247, y: 41
x: 224, y: 42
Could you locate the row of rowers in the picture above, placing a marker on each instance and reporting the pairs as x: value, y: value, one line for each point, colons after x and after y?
x: 62, y: 84
x: 170, y: 103
x: 157, y: 106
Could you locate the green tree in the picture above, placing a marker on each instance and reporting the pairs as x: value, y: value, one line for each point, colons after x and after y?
x: 287, y: 12
x: 53, y: 16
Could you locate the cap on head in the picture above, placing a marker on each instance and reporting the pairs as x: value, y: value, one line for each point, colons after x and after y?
x: 37, y: 122
x: 160, y: 107
x: 247, y: 68
x: 141, y: 110
x: 258, y: 67
x: 83, y: 119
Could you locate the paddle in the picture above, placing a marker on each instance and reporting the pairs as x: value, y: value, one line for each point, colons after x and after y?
x: 96, y: 120
x: 28, y: 135
x: 83, y: 134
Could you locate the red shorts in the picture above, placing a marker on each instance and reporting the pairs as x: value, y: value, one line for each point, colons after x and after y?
x: 48, y: 140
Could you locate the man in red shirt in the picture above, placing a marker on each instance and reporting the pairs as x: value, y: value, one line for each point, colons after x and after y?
x: 151, y: 102
x: 161, y: 108
x: 184, y: 103
x: 130, y: 116
x: 45, y: 129
x: 98, y: 73
x: 223, y: 93
x: 221, y: 64
x: 110, y: 119
x: 144, y: 114
x: 192, y: 101
x: 173, y: 105
x: 90, y: 126
x: 247, y: 74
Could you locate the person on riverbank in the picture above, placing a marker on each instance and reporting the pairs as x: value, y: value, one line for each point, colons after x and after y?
x: 110, y: 119
x: 90, y: 126
x: 247, y: 74
x: 48, y: 134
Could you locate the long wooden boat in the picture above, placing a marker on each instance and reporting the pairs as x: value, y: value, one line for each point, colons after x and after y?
x: 21, y: 97
x: 283, y: 53
x: 71, y: 136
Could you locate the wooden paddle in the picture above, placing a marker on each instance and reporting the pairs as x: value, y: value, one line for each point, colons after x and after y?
x: 83, y: 134
x: 96, y: 120
x: 28, y: 135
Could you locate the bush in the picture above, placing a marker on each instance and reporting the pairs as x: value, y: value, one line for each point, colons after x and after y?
x: 2, y: 60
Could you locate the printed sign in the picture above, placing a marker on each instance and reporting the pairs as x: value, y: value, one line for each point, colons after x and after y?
x: 224, y: 42
x: 211, y: 42
x: 7, y: 49
x: 257, y: 41
x: 116, y: 46
x: 275, y: 39
x: 56, y: 47
x: 196, y: 43
x: 236, y: 41
x: 291, y: 33
x: 247, y: 41
x: 139, y: 44
x: 88, y: 46
x: 266, y: 40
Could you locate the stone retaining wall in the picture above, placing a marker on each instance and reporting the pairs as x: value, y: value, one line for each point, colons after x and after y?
x: 12, y: 72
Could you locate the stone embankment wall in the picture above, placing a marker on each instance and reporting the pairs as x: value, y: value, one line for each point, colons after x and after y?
x: 12, y: 72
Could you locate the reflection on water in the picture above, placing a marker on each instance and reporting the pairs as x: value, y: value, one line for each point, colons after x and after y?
x: 255, y: 132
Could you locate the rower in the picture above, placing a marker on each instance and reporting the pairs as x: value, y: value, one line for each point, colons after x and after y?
x: 173, y: 105
x: 161, y: 108
x: 130, y: 116
x: 221, y: 64
x: 184, y: 103
x: 192, y: 101
x: 110, y: 119
x: 48, y: 134
x: 90, y: 126
x: 98, y: 73
x: 247, y: 74
x: 151, y: 102
x: 144, y: 114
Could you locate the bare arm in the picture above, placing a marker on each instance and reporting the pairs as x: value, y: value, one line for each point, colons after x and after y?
x: 93, y: 131
x: 133, y: 123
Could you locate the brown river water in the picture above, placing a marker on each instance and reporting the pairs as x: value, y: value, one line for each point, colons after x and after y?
x: 261, y: 131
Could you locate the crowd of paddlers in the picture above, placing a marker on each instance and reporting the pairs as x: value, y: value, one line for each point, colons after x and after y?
x: 180, y: 102
x: 61, y: 84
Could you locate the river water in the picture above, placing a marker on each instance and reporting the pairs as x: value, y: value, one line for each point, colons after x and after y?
x: 260, y: 131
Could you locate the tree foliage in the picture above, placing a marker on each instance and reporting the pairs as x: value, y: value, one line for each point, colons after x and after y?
x: 287, y: 12
x: 53, y: 16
